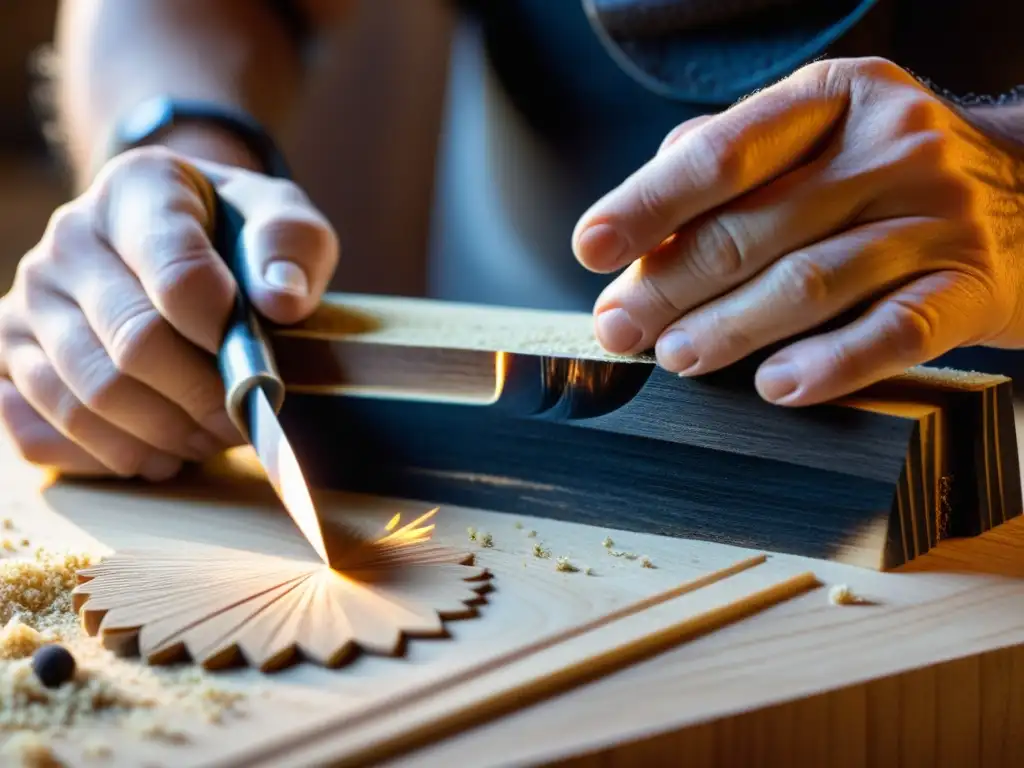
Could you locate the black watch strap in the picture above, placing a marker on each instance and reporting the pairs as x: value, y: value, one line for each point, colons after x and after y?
x: 147, y: 121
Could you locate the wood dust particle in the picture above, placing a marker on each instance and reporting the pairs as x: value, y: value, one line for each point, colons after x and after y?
x: 8, y: 524
x: 607, y: 543
x: 588, y: 571
x: 841, y: 594
x: 471, y: 532
x: 8, y: 545
x: 95, y: 748
x: 541, y: 552
x: 531, y: 535
x: 519, y: 526
x: 486, y: 540
x: 645, y: 562
x: 155, y: 702
x: 565, y: 565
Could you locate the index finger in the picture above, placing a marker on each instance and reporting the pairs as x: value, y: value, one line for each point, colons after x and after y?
x: 731, y: 154
x: 154, y: 212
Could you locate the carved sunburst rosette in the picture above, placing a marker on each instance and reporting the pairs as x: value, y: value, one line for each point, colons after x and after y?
x: 220, y: 606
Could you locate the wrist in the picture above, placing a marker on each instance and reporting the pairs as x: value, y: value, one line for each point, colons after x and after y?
x: 198, y: 129
x: 209, y: 142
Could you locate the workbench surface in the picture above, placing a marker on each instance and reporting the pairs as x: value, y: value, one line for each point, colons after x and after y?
x: 930, y: 671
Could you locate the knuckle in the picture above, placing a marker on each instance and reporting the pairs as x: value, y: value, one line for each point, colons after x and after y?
x: 182, y: 263
x: 652, y: 199
x: 802, y: 280
x: 716, y: 160
x: 153, y: 159
x: 132, y: 330
x: 911, y: 328
x: 287, y: 192
x: 931, y: 149
x: 67, y: 222
x: 912, y: 113
x: 99, y: 382
x: 31, y: 276
x: 651, y: 284
x: 877, y: 68
x: 818, y: 74
x: 716, y: 254
x: 297, y: 231
x: 730, y: 337
x: 39, y: 380
x: 30, y: 447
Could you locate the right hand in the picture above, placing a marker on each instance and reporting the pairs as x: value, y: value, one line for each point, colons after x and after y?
x: 108, y: 335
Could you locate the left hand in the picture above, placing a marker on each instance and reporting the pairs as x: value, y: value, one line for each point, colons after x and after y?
x: 848, y: 182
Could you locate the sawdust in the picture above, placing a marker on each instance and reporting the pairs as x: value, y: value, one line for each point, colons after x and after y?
x: 151, y: 702
x: 29, y: 750
x: 841, y: 594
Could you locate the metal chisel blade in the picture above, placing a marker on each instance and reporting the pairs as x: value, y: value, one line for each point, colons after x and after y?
x: 282, y: 467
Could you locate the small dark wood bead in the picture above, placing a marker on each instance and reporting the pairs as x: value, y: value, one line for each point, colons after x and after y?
x: 54, y: 665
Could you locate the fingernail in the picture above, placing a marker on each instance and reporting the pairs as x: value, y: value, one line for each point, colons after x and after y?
x: 675, y: 352
x: 202, y: 445
x: 222, y: 426
x: 286, y: 276
x: 160, y: 466
x: 617, y: 332
x: 777, y: 382
x: 601, y: 246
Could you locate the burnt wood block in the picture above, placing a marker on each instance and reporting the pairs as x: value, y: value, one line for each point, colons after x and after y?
x: 520, y: 411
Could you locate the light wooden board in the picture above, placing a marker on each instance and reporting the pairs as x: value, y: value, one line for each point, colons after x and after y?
x: 806, y: 648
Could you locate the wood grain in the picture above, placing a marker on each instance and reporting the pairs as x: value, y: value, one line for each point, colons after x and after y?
x: 752, y: 689
x: 219, y: 606
x: 544, y: 668
x: 519, y: 410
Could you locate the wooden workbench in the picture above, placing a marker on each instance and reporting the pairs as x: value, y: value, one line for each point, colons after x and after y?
x: 930, y: 673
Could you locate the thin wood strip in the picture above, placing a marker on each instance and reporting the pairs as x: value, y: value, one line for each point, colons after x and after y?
x: 374, y: 727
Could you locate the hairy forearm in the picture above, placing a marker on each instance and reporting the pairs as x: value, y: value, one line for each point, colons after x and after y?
x: 116, y: 53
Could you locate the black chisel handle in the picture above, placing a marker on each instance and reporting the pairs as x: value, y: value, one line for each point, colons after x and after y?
x: 245, y: 358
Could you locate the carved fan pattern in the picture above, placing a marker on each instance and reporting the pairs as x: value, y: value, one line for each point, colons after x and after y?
x: 219, y: 606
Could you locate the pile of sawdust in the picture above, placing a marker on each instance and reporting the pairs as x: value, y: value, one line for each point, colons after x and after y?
x: 36, y: 608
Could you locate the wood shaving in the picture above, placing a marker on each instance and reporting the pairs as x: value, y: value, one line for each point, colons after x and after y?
x: 607, y: 543
x: 623, y: 555
x: 486, y: 540
x: 541, y: 552
x: 565, y: 565
x: 36, y: 608
x: 645, y: 562
x: 471, y: 532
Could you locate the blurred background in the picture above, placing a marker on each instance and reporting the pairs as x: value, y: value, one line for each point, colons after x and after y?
x: 31, y: 184
x: 361, y: 149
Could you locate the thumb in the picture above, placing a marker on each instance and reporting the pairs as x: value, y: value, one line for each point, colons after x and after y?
x: 291, y: 250
x: 291, y: 255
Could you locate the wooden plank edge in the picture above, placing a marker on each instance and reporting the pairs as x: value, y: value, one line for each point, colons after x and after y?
x: 483, y: 698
